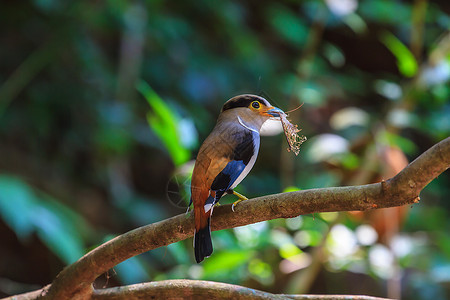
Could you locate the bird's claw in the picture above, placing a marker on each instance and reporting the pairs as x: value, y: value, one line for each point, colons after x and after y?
x: 234, y: 204
x: 241, y: 198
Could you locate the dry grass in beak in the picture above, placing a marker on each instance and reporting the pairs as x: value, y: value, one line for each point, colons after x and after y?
x: 291, y: 131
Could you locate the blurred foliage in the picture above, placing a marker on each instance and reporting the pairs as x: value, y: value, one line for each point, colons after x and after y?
x: 165, y: 124
x: 103, y: 105
x: 406, y: 62
x: 23, y: 211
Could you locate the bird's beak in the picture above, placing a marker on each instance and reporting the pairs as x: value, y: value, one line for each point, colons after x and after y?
x: 274, y: 112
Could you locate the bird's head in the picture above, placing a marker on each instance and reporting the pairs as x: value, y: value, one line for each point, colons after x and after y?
x: 251, y: 109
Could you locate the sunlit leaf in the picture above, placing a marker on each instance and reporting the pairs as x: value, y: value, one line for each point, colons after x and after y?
x: 329, y: 216
x: 350, y: 161
x: 291, y: 189
x: 226, y: 261
x: 406, y: 62
x: 164, y: 123
x: 288, y: 250
x: 261, y: 270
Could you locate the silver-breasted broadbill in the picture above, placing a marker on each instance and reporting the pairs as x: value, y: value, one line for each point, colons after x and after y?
x: 224, y: 159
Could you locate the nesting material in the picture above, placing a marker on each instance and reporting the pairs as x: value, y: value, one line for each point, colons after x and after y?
x: 291, y: 132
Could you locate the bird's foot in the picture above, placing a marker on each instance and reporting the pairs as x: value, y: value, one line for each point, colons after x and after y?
x: 241, y: 198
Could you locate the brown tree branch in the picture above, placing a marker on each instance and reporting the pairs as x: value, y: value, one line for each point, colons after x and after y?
x: 75, y: 281
x: 195, y: 289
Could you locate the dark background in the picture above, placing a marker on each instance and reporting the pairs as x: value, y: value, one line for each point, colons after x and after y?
x: 103, y: 105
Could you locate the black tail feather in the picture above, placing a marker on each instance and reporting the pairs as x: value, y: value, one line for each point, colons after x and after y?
x: 202, y: 243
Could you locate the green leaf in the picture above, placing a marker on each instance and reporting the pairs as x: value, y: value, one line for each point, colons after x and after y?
x: 164, y: 123
x: 132, y: 271
x: 179, y: 252
x: 260, y: 269
x: 406, y: 145
x: 291, y: 189
x: 406, y: 62
x: 223, y: 262
x: 385, y: 11
x: 17, y: 203
x: 289, y: 250
x: 288, y: 25
x: 350, y: 161
x: 26, y: 212
x: 443, y: 242
x: 55, y: 231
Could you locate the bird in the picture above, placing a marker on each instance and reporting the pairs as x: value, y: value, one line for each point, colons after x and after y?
x: 224, y: 159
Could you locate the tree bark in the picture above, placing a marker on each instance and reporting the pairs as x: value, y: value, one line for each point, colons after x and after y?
x: 198, y: 289
x: 75, y: 281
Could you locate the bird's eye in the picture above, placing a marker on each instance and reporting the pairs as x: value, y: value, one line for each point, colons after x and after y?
x: 255, y: 104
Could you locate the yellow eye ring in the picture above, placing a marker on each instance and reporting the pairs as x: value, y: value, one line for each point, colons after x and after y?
x: 256, y: 105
